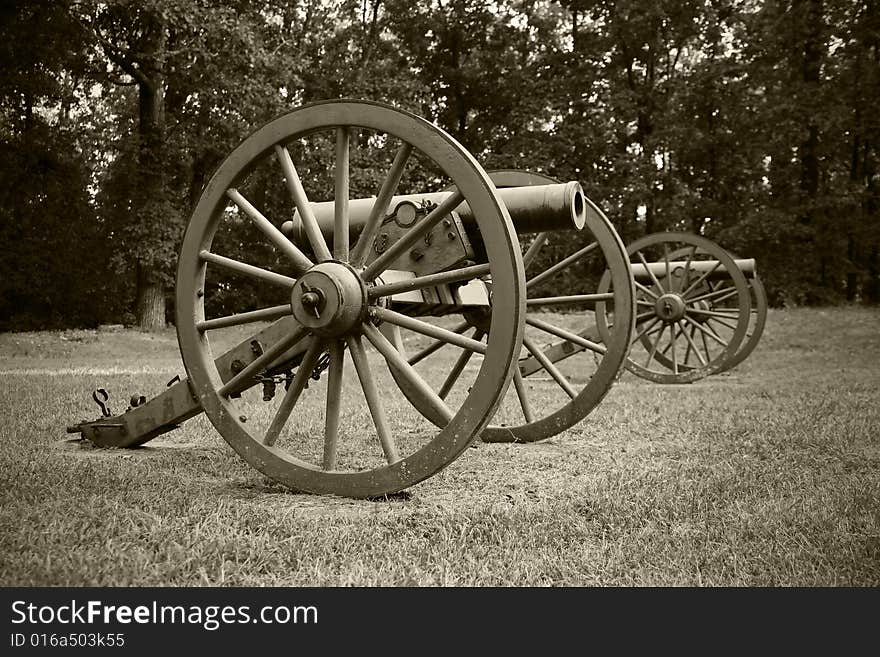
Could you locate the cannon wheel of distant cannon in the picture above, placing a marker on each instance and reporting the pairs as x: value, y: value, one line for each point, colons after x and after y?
x: 681, y: 297
x: 757, y: 322
x: 331, y: 298
x: 572, y: 376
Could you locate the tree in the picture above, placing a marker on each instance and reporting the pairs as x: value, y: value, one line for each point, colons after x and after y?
x: 203, y: 75
x: 51, y: 272
x: 750, y: 122
x: 855, y: 33
x: 133, y: 39
x: 794, y: 230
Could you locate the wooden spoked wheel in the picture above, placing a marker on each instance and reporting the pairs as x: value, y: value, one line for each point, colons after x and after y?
x: 565, y: 369
x: 757, y: 321
x: 692, y: 307
x: 347, y: 431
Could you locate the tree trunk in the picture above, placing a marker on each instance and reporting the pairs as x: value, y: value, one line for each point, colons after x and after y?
x: 872, y: 282
x: 198, y: 174
x: 809, y: 148
x: 852, y: 277
x: 650, y: 223
x: 150, y: 307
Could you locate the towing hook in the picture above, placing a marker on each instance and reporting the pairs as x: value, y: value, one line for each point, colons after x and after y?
x: 101, y: 397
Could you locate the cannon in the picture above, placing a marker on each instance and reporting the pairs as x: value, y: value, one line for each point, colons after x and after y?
x: 366, y: 257
x: 556, y: 384
x: 699, y: 310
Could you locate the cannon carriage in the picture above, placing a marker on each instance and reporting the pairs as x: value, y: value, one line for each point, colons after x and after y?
x: 404, y: 254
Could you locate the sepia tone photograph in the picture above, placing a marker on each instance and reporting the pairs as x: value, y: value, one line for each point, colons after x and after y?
x: 453, y: 293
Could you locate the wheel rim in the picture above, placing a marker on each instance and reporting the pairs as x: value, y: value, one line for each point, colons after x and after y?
x: 339, y: 286
x: 557, y: 385
x: 679, y: 337
x: 758, y: 297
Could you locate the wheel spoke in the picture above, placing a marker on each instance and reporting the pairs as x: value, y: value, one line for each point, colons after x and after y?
x: 413, y: 235
x: 714, y: 313
x: 647, y: 290
x: 520, y: 386
x: 341, y: 190
x: 712, y: 322
x: 650, y: 272
x: 562, y: 264
x: 429, y: 280
x: 645, y: 331
x: 380, y: 206
x: 534, y: 248
x: 700, y: 279
x: 641, y: 317
x: 301, y: 201
x: 300, y: 262
x: 717, y: 296
x: 248, y: 270
x: 334, y: 403
x: 263, y: 314
x: 430, y: 349
x: 371, y: 394
x: 403, y: 369
x: 687, y: 351
x: 732, y: 327
x: 566, y: 335
x: 550, y: 367
x: 672, y: 334
x: 245, y: 378
x: 303, y: 372
x: 458, y: 367
x: 425, y: 328
x: 691, y: 345
x: 705, y: 346
x: 654, y: 346
x: 708, y: 332
x: 673, y: 342
x: 572, y: 298
x: 687, y: 267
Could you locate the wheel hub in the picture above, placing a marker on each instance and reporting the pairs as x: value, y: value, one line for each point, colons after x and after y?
x: 669, y: 307
x: 330, y: 299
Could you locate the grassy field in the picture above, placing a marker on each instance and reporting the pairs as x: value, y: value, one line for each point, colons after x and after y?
x: 768, y: 475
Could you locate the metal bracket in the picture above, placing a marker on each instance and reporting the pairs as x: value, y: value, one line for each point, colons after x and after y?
x: 101, y: 397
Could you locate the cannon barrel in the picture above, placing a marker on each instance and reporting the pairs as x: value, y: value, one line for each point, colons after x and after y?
x: 533, y: 209
x: 641, y: 273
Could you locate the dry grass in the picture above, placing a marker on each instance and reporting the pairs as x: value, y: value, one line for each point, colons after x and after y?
x: 766, y: 476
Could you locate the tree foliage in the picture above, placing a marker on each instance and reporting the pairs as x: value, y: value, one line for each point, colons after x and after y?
x: 752, y: 122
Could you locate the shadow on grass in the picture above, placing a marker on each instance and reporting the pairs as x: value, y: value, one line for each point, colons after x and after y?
x: 82, y: 446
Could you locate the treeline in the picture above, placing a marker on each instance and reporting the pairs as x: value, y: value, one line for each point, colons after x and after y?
x: 753, y: 123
